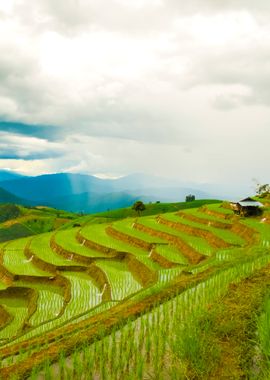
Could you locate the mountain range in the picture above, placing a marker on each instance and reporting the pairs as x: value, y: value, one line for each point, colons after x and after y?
x: 86, y: 193
x: 7, y: 197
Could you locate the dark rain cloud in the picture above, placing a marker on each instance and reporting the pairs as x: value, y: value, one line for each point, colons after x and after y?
x: 40, y: 131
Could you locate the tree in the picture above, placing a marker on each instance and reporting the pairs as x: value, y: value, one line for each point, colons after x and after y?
x: 190, y: 198
x: 263, y: 190
x: 138, y: 207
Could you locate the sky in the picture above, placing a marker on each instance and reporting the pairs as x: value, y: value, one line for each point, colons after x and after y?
x: 112, y: 87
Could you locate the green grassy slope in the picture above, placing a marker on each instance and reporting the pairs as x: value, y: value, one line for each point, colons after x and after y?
x: 122, y: 262
x: 19, y: 221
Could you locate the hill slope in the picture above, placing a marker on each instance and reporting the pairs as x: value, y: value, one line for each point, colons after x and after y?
x: 46, y: 187
x: 73, y: 290
x: 17, y: 221
x: 7, y: 197
x: 7, y: 175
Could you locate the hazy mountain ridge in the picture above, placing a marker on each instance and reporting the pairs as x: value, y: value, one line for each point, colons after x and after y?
x: 92, y: 202
x: 85, y: 193
x: 7, y: 197
x: 7, y: 175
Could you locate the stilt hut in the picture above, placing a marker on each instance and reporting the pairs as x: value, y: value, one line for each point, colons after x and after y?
x: 247, y: 207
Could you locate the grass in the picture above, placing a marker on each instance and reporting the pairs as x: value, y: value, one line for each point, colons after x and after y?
x: 157, y: 208
x: 263, y: 328
x: 15, y: 231
x: 18, y: 221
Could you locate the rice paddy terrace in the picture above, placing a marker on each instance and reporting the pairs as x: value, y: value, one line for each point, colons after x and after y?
x: 88, y: 301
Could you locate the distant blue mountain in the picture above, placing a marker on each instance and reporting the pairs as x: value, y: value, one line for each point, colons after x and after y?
x: 49, y: 186
x: 78, y: 192
x: 7, y: 175
x: 92, y: 202
x: 7, y: 197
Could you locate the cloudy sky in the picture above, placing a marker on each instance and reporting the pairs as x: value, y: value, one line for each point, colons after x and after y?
x: 111, y: 87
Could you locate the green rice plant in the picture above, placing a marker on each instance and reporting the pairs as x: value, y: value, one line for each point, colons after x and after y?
x: 165, y: 338
x: 262, y: 228
x: 34, y: 373
x: 121, y: 280
x: 198, y: 212
x: 59, y: 322
x: 146, y: 259
x: 121, y: 355
x: 16, y: 262
x: 218, y: 207
x: 97, y: 233
x: 40, y: 246
x: 67, y: 239
x: 166, y: 275
x: 225, y: 234
x: 49, y: 306
x: 199, y: 244
x: 193, y: 347
x: 171, y: 253
x: 84, y: 297
x: 19, y: 314
x: 126, y: 226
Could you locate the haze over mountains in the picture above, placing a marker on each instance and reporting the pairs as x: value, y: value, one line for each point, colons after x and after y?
x: 86, y: 193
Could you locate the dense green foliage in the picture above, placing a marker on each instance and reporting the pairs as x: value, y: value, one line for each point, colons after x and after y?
x: 21, y: 221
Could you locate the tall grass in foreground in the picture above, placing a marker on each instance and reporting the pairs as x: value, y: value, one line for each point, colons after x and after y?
x: 263, y: 325
x: 158, y: 344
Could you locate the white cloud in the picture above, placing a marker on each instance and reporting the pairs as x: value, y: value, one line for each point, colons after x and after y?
x: 155, y: 86
x: 27, y: 147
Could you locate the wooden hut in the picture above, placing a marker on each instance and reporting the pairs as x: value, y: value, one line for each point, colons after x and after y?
x: 247, y: 207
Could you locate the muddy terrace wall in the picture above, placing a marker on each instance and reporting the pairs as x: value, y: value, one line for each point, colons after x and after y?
x: 191, y: 254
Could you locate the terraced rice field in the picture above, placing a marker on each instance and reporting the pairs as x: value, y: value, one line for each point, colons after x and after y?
x: 16, y: 262
x: 69, y: 288
x: 67, y: 239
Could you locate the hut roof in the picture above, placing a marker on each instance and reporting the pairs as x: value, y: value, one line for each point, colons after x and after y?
x: 247, y: 200
x: 250, y: 203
